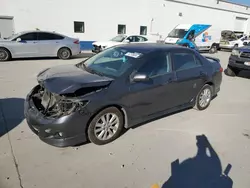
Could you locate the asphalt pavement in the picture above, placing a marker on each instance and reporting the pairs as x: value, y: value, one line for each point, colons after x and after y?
x: 146, y: 155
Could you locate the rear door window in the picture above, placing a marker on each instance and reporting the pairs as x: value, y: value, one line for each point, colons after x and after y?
x: 185, y: 61
x: 157, y: 66
x: 49, y: 36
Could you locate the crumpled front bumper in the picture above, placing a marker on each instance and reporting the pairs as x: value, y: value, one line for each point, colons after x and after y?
x: 96, y: 49
x: 65, y: 131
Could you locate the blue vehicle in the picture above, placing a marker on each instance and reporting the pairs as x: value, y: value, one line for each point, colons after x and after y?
x: 201, y: 37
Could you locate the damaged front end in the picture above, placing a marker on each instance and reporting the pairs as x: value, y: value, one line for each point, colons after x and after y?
x: 53, y: 105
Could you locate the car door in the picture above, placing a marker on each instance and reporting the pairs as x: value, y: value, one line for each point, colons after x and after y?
x: 140, y: 39
x: 156, y: 94
x: 27, y: 46
x: 190, y: 75
x: 49, y: 43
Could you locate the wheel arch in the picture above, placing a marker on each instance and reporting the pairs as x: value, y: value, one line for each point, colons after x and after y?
x: 211, y: 84
x: 61, y: 47
x: 119, y: 107
x: 215, y: 44
x: 7, y: 50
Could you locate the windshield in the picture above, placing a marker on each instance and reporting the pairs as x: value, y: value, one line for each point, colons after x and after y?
x: 118, y: 38
x: 178, y: 33
x: 112, y: 62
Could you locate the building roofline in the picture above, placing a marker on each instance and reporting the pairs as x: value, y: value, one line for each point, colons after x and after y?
x: 212, y: 7
x: 230, y: 2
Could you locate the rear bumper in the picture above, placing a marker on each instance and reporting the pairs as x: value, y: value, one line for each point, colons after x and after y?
x: 65, y: 131
x: 238, y: 63
x: 76, y: 50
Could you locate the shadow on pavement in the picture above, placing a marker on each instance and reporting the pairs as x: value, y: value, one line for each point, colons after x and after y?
x: 79, y: 56
x: 11, y: 114
x: 202, y: 171
x: 244, y: 74
x: 241, y: 74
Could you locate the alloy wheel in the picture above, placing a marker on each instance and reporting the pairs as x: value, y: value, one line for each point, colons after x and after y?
x: 3, y: 55
x: 65, y: 53
x: 205, y: 97
x: 106, y: 126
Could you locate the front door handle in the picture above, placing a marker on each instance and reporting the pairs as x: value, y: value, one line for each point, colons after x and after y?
x: 170, y: 80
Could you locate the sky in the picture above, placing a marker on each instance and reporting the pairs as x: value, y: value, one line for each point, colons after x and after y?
x: 245, y: 2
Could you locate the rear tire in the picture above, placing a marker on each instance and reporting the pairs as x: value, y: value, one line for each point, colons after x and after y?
x: 64, y: 53
x: 4, y: 54
x: 203, y: 98
x: 102, y: 129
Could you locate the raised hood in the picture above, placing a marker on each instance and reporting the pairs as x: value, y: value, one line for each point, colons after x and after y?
x: 68, y: 79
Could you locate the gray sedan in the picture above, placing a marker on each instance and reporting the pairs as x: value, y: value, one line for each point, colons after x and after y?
x: 38, y: 44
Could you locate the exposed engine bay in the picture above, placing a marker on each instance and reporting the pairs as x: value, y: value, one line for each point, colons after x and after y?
x: 230, y: 35
x: 54, y: 105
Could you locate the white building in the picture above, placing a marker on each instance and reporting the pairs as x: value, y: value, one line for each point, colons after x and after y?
x: 92, y: 20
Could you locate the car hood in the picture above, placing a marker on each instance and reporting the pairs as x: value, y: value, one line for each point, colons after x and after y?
x: 171, y: 40
x: 4, y: 40
x: 106, y: 43
x: 244, y: 49
x: 67, y: 79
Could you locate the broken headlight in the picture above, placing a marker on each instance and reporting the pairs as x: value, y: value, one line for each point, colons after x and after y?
x: 65, y: 107
x: 69, y: 106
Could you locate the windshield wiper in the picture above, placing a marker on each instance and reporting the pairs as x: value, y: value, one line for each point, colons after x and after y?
x: 91, y: 70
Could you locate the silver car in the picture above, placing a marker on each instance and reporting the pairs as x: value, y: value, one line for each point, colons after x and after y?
x: 38, y: 44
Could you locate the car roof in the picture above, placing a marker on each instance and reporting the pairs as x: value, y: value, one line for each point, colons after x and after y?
x: 40, y: 31
x: 149, y: 47
x: 127, y: 35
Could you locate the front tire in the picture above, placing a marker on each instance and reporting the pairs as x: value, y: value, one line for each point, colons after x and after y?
x: 106, y: 126
x: 204, y: 98
x: 231, y: 71
x: 213, y: 49
x: 235, y: 46
x: 64, y: 53
x: 4, y: 54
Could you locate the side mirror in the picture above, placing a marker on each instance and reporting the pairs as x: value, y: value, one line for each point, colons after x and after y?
x: 18, y: 39
x: 126, y: 41
x: 245, y: 43
x: 140, y: 78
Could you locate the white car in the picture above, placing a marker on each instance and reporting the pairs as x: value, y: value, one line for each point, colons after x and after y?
x: 98, y: 46
x: 38, y: 44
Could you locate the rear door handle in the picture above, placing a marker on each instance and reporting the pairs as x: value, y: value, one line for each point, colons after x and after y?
x: 203, y: 73
x: 173, y: 79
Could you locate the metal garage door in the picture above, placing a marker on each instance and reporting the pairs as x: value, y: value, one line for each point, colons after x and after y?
x: 240, y: 24
x: 6, y: 27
